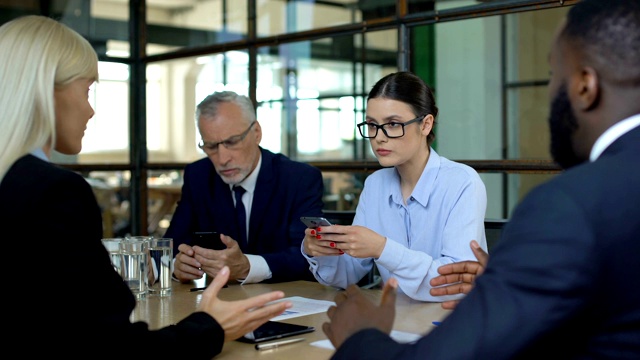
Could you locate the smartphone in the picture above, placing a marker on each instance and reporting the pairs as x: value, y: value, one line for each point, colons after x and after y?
x: 208, y: 240
x: 315, y: 221
x: 272, y: 330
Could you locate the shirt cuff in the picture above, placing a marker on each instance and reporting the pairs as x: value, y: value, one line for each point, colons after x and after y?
x: 259, y: 270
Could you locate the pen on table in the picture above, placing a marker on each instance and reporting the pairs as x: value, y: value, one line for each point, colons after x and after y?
x: 202, y: 288
x: 276, y: 344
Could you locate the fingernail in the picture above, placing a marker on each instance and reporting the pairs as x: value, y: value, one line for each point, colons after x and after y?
x: 319, y: 229
x: 313, y: 232
x: 332, y: 245
x: 341, y: 252
x: 318, y: 236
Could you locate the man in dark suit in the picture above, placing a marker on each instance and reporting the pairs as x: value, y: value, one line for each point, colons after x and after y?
x: 264, y: 243
x: 564, y: 280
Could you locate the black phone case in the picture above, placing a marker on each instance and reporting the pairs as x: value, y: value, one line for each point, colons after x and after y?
x: 272, y: 330
x: 207, y: 239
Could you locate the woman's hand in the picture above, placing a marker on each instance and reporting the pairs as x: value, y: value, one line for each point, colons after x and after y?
x: 357, y: 241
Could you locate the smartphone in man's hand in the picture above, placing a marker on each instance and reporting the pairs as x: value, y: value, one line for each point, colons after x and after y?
x: 208, y: 240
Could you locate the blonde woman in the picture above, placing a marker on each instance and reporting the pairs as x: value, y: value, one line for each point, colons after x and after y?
x: 75, y: 299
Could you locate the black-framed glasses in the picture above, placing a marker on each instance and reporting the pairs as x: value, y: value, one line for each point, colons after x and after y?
x: 231, y: 143
x: 392, y: 129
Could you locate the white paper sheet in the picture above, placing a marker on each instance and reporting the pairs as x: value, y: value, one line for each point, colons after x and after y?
x: 303, y: 306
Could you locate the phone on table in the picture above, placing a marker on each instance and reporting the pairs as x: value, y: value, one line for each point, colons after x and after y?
x: 272, y: 330
x: 208, y: 240
x: 315, y: 221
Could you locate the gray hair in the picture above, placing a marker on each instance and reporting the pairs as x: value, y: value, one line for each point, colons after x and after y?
x: 209, y: 106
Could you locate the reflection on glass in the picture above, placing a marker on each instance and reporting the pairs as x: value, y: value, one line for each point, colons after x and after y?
x: 280, y: 17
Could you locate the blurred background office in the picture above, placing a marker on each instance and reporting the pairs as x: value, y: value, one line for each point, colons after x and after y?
x: 307, y: 65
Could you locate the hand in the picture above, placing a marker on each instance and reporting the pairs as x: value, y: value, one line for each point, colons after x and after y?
x: 315, y: 246
x: 186, y: 268
x: 241, y: 316
x: 212, y: 261
x: 357, y: 241
x: 458, y: 278
x: 354, y: 312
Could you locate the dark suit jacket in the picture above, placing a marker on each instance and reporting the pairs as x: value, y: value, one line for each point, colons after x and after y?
x: 285, y: 191
x: 60, y: 287
x: 563, y: 282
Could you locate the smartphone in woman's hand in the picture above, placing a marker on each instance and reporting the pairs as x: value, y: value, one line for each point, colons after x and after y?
x: 313, y: 222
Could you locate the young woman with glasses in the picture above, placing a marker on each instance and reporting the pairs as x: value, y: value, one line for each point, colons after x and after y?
x: 417, y: 214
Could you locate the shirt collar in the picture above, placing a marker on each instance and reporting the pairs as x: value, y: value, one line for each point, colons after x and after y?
x: 420, y: 193
x: 612, y: 134
x: 39, y: 153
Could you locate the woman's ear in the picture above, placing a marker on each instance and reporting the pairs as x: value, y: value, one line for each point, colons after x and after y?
x: 427, y: 124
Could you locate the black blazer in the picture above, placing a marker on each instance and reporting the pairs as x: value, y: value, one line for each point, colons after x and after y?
x: 62, y: 295
x: 285, y: 191
x: 563, y: 282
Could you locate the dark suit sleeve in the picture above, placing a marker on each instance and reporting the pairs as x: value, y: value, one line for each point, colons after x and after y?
x: 306, y: 189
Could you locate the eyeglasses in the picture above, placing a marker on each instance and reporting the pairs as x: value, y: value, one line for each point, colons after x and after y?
x: 231, y: 143
x: 392, y: 129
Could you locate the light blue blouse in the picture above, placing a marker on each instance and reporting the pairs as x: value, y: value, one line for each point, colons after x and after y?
x: 444, y: 213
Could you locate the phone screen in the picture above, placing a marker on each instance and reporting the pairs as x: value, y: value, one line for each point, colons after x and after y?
x: 208, y: 240
x: 272, y: 330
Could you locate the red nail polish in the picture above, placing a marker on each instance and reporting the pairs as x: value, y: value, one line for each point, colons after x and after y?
x: 341, y: 252
x: 332, y: 245
x: 318, y: 236
x: 313, y: 232
x: 319, y: 229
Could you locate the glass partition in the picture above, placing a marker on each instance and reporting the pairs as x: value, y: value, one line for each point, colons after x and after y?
x: 308, y: 66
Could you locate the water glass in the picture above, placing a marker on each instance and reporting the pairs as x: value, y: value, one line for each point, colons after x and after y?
x: 135, y: 269
x: 161, y: 253
x: 113, y: 247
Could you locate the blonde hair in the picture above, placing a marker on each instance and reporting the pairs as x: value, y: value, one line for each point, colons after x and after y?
x: 37, y: 54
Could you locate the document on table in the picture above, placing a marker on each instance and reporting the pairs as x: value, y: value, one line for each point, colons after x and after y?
x: 302, y: 306
x: 399, y: 336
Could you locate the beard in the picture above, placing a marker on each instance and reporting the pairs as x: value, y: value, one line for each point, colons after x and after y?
x: 562, y: 125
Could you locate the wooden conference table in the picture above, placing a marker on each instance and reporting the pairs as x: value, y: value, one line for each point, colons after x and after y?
x: 411, y: 316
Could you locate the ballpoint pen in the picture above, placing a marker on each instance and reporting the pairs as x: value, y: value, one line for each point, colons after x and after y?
x: 276, y: 344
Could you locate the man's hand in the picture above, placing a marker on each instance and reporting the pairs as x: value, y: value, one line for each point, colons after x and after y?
x: 186, y: 268
x: 212, y: 261
x: 354, y: 312
x: 458, y: 278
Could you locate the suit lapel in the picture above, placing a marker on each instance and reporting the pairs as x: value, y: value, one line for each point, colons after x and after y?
x: 265, y: 189
x: 219, y: 202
